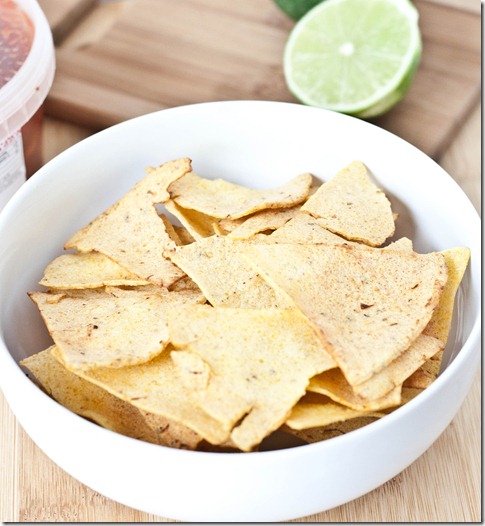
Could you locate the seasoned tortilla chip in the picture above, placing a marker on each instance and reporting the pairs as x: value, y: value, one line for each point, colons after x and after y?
x: 222, y: 199
x: 112, y: 328
x: 88, y: 270
x: 156, y: 387
x: 426, y: 374
x: 368, y: 304
x: 225, y: 278
x: 333, y: 384
x: 258, y: 364
x: 171, y: 230
x: 265, y: 220
x: 456, y: 262
x: 306, y: 229
x: 198, y: 225
x: 317, y: 411
x: 373, y: 393
x: 132, y: 233
x: 91, y: 401
x: 351, y: 205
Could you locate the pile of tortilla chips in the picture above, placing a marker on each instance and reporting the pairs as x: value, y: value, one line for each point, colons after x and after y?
x: 250, y: 313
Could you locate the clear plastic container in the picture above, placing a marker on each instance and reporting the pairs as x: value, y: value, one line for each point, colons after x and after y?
x: 27, y: 66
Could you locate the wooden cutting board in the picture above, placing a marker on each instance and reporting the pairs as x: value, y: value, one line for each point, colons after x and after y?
x: 158, y: 54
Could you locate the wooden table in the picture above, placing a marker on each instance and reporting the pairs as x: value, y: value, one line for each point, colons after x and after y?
x: 443, y: 485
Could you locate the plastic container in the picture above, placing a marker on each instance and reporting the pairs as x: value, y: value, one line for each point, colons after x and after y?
x: 27, y: 66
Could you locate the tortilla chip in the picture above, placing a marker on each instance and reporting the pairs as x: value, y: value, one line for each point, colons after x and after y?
x: 306, y: 229
x: 369, y: 305
x: 156, y: 387
x: 426, y: 374
x: 456, y: 262
x: 262, y: 221
x: 317, y: 411
x: 225, y: 278
x: 379, y: 391
x: 222, y: 199
x: 170, y: 229
x: 198, y: 225
x: 93, y: 402
x: 333, y: 384
x: 351, y: 205
x: 132, y: 233
x: 258, y: 363
x: 88, y: 270
x: 112, y: 328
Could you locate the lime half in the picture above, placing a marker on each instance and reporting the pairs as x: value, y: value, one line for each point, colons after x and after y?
x: 354, y: 56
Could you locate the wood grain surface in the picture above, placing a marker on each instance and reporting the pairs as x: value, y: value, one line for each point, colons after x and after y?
x: 205, y: 50
x: 443, y: 485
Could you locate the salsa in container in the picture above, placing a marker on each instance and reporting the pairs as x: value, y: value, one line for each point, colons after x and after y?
x: 27, y: 65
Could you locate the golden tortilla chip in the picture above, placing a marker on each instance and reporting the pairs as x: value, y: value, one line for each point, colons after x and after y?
x: 379, y: 391
x: 368, y: 304
x: 222, y: 199
x: 156, y: 387
x: 198, y: 225
x: 257, y: 364
x: 265, y: 220
x: 225, y: 278
x: 112, y: 328
x: 132, y: 233
x: 306, y: 229
x: 351, y: 205
x: 91, y: 401
x: 426, y: 374
x: 87, y: 270
x: 333, y: 384
x: 456, y: 262
x: 317, y: 411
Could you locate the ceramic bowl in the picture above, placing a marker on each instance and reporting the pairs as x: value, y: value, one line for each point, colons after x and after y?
x: 260, y: 144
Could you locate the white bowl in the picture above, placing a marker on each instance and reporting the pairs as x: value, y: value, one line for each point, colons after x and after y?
x: 260, y: 144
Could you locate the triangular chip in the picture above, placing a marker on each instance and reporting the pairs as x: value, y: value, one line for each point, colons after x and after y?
x: 368, y: 304
x: 261, y: 221
x: 426, y: 374
x: 225, y: 278
x: 222, y: 199
x: 88, y: 270
x: 258, y: 364
x: 91, y: 401
x: 184, y: 235
x: 316, y: 411
x: 351, y: 205
x: 132, y: 233
x: 155, y: 387
x: 373, y: 393
x: 197, y: 224
x: 333, y: 384
x: 305, y: 229
x: 113, y: 328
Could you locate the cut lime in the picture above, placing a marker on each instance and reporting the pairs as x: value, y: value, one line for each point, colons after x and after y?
x: 354, y: 56
x: 296, y: 8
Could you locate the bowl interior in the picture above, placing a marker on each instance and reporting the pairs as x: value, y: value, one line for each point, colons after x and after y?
x: 253, y: 143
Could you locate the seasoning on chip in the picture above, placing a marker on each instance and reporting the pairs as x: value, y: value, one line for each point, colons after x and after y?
x: 117, y: 232
x: 264, y: 316
x: 85, y: 271
x: 368, y: 304
x: 222, y: 199
x: 351, y: 205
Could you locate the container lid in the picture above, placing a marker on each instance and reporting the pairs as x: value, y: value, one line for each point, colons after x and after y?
x: 22, y: 96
